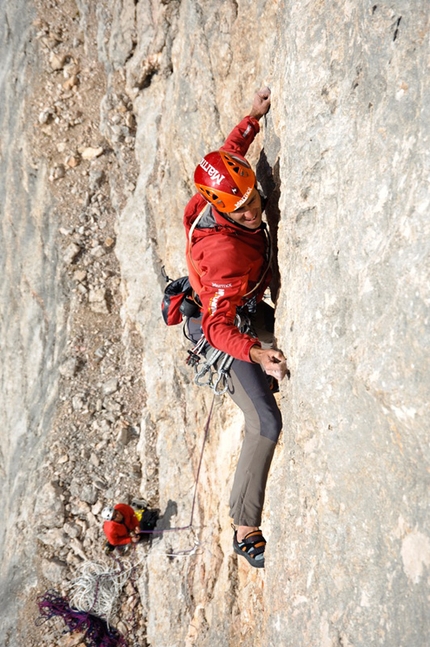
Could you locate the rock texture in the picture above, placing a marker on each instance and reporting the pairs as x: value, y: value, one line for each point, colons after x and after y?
x: 32, y: 320
x: 354, y: 229
x: 343, y: 157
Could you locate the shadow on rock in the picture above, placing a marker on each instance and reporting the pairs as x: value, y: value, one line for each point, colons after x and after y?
x: 164, y: 521
x: 270, y: 182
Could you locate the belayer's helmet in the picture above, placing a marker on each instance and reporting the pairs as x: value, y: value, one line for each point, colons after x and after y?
x: 224, y: 179
x: 107, y: 513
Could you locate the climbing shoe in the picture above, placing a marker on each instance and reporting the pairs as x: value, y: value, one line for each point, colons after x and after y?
x: 251, y: 547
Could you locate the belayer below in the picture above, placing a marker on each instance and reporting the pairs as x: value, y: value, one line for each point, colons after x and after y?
x: 123, y: 525
x: 228, y: 258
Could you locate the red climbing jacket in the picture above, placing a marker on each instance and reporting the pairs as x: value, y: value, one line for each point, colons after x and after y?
x: 226, y: 261
x: 118, y: 534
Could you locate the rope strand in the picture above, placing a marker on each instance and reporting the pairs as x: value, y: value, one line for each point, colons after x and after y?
x: 190, y: 525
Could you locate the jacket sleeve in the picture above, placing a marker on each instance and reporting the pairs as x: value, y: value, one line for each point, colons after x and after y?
x: 219, y: 328
x: 242, y: 136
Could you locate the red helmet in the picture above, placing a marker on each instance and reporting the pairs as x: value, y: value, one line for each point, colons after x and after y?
x: 224, y: 179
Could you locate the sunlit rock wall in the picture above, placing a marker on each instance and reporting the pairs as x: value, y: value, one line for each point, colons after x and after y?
x: 354, y: 258
x: 344, y: 153
x: 346, y: 139
x: 31, y: 308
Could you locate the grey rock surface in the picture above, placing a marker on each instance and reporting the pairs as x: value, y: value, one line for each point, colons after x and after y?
x: 31, y: 310
x: 49, y: 508
x: 343, y: 156
x: 346, y: 141
x: 54, y: 570
x: 354, y: 467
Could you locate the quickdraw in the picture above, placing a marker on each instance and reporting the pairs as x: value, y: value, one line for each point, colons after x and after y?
x: 215, y: 377
x: 214, y: 371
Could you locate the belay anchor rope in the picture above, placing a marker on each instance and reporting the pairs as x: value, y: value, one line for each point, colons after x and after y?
x: 196, y: 482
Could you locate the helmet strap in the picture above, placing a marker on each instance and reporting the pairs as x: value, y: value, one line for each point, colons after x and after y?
x: 227, y: 217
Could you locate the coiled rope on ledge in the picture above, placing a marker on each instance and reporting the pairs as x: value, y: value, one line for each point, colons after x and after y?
x: 98, y: 588
x: 97, y: 632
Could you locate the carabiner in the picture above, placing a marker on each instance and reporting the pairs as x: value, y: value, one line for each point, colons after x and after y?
x: 223, y: 371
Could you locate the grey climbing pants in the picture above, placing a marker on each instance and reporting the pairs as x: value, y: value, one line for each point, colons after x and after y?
x: 250, y: 390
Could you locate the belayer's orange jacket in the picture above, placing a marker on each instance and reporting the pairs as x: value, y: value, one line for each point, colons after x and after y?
x: 226, y: 261
x: 118, y: 534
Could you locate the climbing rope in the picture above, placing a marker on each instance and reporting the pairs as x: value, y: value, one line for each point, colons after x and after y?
x: 189, y: 526
x: 98, y: 588
x: 97, y: 632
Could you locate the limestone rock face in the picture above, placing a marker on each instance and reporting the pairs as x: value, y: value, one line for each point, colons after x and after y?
x: 343, y: 157
x: 31, y: 309
x: 49, y: 508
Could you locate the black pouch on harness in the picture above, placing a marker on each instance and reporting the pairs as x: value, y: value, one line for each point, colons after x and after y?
x: 177, y: 302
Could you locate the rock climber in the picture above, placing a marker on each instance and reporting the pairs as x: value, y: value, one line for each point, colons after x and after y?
x: 124, y: 525
x: 228, y: 258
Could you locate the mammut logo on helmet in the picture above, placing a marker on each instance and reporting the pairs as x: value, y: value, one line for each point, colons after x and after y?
x: 211, y: 171
x: 244, y: 198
